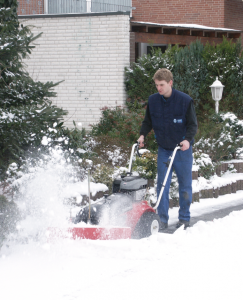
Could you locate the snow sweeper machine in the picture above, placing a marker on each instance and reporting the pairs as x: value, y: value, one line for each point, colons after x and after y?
x: 125, y: 213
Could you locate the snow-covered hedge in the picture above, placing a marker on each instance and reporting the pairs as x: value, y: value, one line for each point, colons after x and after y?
x: 223, y: 139
x: 194, y: 68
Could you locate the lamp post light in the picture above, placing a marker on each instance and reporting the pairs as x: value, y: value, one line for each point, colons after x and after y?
x: 217, y: 91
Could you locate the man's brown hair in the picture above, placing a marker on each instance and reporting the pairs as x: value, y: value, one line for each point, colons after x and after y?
x: 163, y: 74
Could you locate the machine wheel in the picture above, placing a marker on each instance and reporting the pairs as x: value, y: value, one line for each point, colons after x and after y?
x: 147, y: 225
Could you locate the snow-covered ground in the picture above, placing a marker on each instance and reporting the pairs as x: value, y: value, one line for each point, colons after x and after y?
x: 203, y: 262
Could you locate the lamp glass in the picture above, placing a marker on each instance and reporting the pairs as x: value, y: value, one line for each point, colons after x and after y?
x: 217, y: 93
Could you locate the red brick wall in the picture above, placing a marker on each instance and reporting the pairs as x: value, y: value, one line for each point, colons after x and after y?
x: 202, y: 12
x: 141, y: 37
x: 234, y: 14
x: 30, y: 7
x: 132, y: 46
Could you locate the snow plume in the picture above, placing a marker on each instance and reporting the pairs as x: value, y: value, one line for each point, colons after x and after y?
x: 45, y: 191
x: 39, y: 194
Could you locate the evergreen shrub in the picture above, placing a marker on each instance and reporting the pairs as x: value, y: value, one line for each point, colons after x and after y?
x: 29, y: 120
x: 146, y: 165
x: 103, y: 174
x: 221, y: 138
x: 225, y: 60
x: 111, y: 151
x: 189, y: 72
x: 138, y: 78
x: 194, y: 68
x: 123, y: 125
x: 206, y: 168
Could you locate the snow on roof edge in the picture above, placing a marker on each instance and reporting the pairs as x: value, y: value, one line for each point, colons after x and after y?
x: 196, y: 26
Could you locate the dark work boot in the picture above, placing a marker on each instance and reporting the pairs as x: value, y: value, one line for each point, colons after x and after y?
x: 163, y: 226
x: 183, y: 222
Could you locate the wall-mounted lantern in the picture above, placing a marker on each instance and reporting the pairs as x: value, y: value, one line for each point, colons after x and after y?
x: 217, y: 91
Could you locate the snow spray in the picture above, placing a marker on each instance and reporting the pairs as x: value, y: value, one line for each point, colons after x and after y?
x: 44, y: 192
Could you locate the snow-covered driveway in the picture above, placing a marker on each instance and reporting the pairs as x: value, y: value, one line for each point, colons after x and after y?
x: 203, y: 262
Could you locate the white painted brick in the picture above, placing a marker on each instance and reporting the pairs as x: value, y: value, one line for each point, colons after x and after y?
x: 90, y: 54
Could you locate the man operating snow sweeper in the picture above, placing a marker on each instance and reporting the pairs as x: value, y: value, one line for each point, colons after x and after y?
x: 171, y: 114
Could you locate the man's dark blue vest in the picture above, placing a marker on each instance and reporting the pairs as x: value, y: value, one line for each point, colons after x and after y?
x: 169, y: 118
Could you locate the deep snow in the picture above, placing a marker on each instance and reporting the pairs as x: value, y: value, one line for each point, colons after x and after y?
x: 203, y: 262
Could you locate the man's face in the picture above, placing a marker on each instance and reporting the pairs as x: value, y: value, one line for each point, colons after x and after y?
x: 164, y: 88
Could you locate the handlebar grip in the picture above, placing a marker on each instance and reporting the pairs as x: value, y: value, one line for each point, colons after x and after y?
x: 137, y: 148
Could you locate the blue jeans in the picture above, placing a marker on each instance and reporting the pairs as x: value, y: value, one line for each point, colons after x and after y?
x: 183, y: 167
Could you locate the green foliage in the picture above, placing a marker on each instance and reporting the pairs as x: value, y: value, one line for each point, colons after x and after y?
x: 124, y: 125
x: 146, y: 165
x: 189, y: 72
x: 194, y: 68
x: 26, y: 112
x: 109, y: 150
x: 26, y: 120
x: 225, y: 61
x: 138, y: 78
x: 108, y: 154
x: 110, y: 122
x: 103, y: 173
x: 9, y: 19
x: 206, y: 168
x: 222, y: 137
x: 76, y: 138
x: 15, y: 42
x: 174, y: 190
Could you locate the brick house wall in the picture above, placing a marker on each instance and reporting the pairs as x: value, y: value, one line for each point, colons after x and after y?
x: 211, y: 13
x: 203, y: 12
x: 234, y: 14
x: 87, y: 51
x: 30, y: 7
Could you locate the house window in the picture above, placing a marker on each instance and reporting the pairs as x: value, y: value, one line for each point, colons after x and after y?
x: 161, y: 47
x: 145, y: 48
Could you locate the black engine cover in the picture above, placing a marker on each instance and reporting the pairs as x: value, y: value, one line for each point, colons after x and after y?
x: 107, y: 211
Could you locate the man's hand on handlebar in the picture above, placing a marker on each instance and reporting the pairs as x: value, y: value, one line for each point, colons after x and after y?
x: 184, y: 145
x: 141, y: 141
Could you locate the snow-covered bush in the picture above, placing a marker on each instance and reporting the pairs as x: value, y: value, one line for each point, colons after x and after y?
x: 28, y: 119
x: 223, y: 138
x: 205, y: 165
x: 146, y: 165
x: 194, y: 68
x: 121, y: 124
x: 190, y: 72
x: 174, y: 189
x: 103, y: 174
x: 138, y: 78
x: 225, y: 60
x: 231, y: 168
